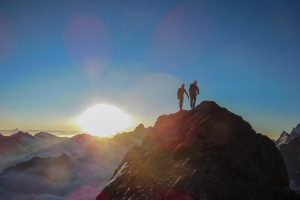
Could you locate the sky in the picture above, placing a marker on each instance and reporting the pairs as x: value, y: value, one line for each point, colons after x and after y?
x: 58, y: 58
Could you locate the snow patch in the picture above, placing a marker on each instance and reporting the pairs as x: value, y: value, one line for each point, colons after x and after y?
x: 119, y: 173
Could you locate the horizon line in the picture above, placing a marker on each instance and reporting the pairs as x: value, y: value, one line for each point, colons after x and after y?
x: 32, y: 130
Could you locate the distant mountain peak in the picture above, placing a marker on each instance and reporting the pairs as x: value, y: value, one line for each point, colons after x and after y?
x: 296, y: 130
x: 21, y: 134
x: 16, y: 130
x: 286, y: 137
x: 139, y: 127
x: 283, y: 139
x: 284, y: 133
x: 44, y: 135
x: 83, y: 137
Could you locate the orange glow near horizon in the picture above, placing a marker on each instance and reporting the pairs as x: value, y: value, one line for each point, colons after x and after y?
x: 104, y: 120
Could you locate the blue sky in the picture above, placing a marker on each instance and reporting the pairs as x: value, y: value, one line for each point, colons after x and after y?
x: 57, y: 58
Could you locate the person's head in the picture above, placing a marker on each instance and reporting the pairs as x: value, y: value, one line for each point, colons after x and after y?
x: 182, y: 85
x: 195, y: 82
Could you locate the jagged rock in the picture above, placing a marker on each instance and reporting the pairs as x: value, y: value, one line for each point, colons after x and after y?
x: 285, y: 137
x: 207, y: 153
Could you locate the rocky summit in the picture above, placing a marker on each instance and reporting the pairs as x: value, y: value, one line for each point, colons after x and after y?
x: 207, y: 153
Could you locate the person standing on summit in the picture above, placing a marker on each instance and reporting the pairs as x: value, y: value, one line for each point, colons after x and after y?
x: 180, y: 95
x: 194, y: 91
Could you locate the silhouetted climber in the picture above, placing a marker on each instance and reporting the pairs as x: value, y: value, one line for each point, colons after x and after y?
x: 180, y: 95
x: 194, y: 91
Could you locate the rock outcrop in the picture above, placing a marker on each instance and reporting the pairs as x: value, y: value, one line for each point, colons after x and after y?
x: 206, y: 153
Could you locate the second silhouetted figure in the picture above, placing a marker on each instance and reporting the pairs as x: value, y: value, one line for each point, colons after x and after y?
x: 194, y: 91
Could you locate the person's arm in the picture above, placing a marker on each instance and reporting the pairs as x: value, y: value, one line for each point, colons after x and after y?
x: 186, y: 94
x: 197, y: 89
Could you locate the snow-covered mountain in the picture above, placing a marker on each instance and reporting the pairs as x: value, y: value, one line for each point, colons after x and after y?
x: 73, y: 167
x: 286, y: 137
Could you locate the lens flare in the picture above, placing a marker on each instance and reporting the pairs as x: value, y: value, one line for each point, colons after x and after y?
x: 104, y: 120
x: 89, y: 44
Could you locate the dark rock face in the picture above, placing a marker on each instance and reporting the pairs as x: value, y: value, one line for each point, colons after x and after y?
x: 207, y: 153
x: 291, y: 156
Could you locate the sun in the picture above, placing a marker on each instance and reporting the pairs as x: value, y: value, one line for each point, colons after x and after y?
x: 104, y: 120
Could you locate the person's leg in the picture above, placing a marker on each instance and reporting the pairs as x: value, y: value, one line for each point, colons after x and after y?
x: 192, y: 101
x: 180, y: 103
x: 195, y: 99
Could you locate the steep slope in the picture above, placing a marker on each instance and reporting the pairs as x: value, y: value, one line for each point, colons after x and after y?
x: 291, y: 156
x: 207, y: 153
x: 296, y: 130
x: 45, y: 136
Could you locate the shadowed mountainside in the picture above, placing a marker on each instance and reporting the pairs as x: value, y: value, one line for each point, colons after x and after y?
x: 290, y: 153
x: 206, y: 153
